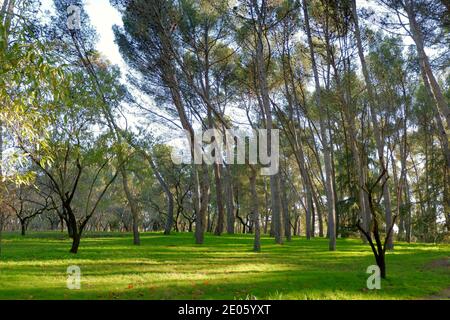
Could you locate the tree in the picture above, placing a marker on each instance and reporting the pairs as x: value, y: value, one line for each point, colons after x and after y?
x: 27, y: 204
x: 379, y: 250
x: 71, y: 152
x: 324, y: 137
x: 376, y: 126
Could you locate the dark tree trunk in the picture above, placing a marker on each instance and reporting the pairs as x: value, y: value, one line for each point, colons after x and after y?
x: 70, y: 230
x: 75, y: 243
x: 23, y: 226
x: 285, y: 209
x: 219, y: 200
x: 381, y: 262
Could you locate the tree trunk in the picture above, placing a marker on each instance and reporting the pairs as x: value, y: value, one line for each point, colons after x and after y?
x: 133, y: 206
x: 376, y: 127
x: 267, y: 110
x: 169, y: 196
x: 200, y: 220
x: 267, y: 206
x: 445, y: 149
x: 297, y: 143
x: 23, y: 227
x: 229, y: 200
x: 255, y: 211
x: 325, y: 140
x: 442, y: 106
x: 75, y: 243
x: 170, y: 79
x: 219, y: 200
x: 285, y: 208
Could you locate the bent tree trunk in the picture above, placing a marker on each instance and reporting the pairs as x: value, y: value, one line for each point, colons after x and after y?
x: 72, y: 228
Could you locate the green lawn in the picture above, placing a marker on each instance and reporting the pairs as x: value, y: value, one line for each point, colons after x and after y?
x: 173, y: 267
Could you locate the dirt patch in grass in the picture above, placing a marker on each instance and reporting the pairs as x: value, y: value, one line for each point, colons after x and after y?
x: 442, y: 295
x: 441, y: 263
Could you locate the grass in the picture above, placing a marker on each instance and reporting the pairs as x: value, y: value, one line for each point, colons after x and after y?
x: 173, y: 267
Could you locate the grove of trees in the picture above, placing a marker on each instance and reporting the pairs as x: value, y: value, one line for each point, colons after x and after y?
x: 359, y: 91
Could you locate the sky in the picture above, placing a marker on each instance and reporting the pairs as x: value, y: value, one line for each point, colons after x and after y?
x: 103, y: 16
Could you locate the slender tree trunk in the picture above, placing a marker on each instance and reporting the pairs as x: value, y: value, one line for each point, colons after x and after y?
x: 229, y: 200
x: 442, y: 106
x: 319, y: 214
x: 324, y: 136
x: 255, y: 211
x: 444, y: 141
x: 133, y: 207
x: 200, y: 221
x: 333, y: 176
x: 170, y: 79
x: 169, y: 196
x: 376, y: 127
x: 285, y: 208
x: 217, y: 167
x: 264, y: 91
x: 219, y: 200
x: 297, y: 144
x: 266, y: 202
